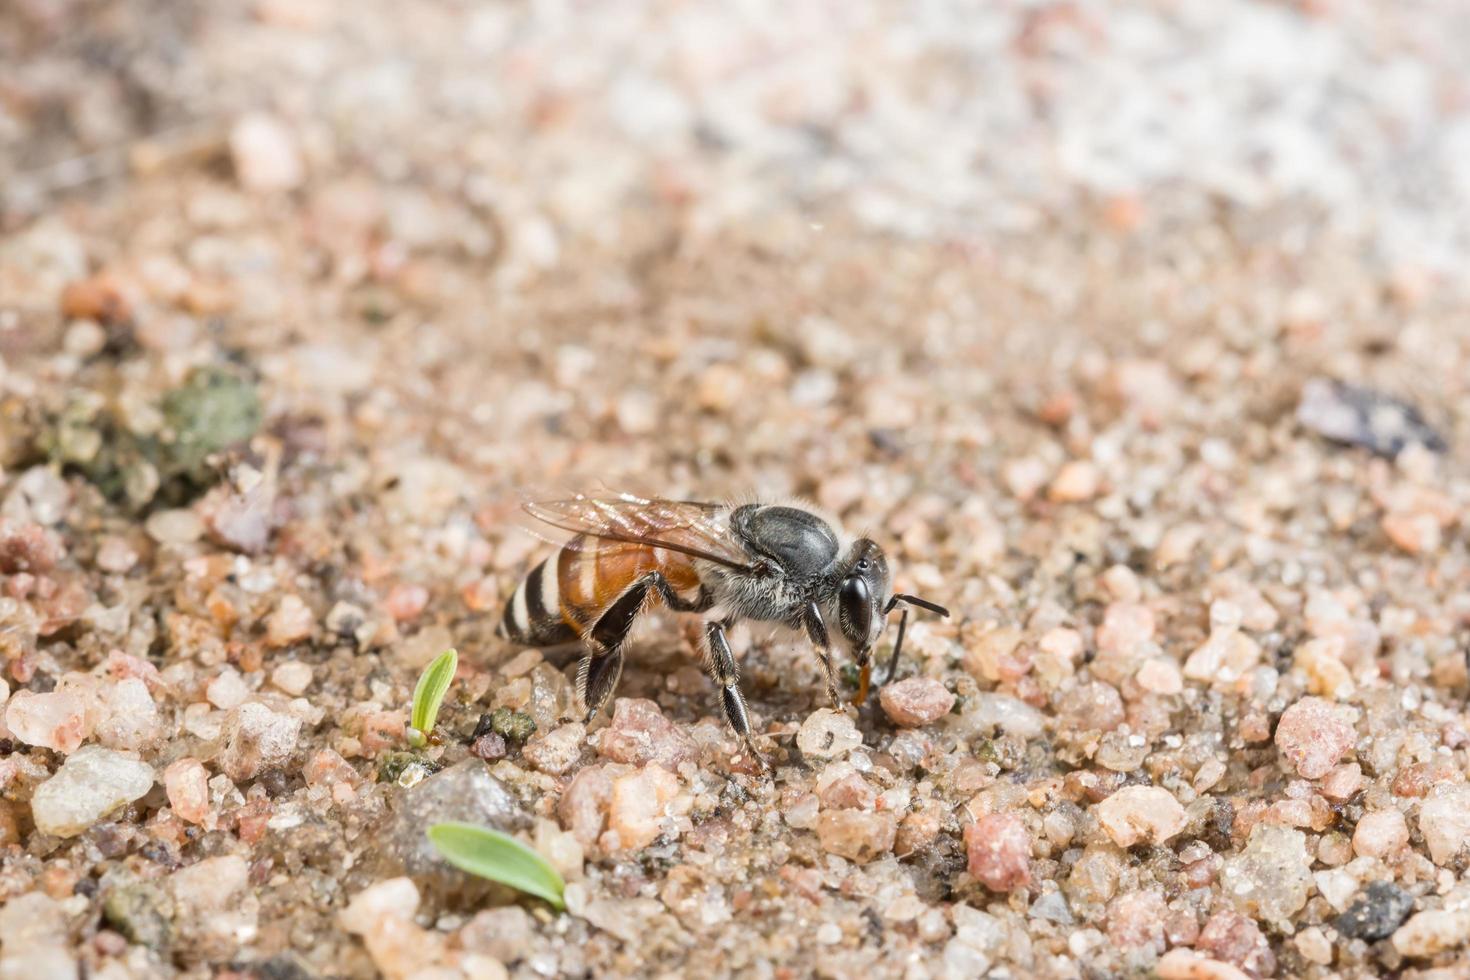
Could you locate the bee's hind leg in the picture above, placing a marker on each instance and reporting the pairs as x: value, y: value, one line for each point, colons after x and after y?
x: 602, y: 665
x: 726, y: 674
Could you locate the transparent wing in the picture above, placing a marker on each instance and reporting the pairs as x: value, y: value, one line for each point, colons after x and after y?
x: 697, y: 529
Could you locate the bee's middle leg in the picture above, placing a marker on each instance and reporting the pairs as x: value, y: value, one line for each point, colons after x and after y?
x: 602, y: 665
x: 726, y: 674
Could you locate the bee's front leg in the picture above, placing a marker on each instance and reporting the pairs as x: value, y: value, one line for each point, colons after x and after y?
x: 816, y: 629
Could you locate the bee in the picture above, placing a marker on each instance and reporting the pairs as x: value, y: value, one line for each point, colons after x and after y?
x: 776, y: 563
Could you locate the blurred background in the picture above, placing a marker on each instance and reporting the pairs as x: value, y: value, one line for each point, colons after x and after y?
x: 899, y: 257
x: 297, y: 296
x: 850, y: 250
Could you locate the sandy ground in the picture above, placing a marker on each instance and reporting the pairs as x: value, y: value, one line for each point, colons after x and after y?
x: 297, y: 299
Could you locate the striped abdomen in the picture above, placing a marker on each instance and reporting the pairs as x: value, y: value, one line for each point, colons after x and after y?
x: 562, y: 597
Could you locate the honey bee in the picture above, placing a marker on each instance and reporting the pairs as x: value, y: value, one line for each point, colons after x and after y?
x: 776, y: 563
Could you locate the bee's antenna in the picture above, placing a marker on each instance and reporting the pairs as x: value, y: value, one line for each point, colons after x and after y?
x: 903, y: 620
x: 914, y: 600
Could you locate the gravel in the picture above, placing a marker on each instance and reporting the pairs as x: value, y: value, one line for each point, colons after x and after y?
x: 1135, y: 335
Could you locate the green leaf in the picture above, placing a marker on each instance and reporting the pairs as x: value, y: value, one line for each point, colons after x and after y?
x: 499, y: 857
x: 432, y: 686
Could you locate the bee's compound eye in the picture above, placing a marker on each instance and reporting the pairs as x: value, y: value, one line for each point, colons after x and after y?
x: 857, y: 607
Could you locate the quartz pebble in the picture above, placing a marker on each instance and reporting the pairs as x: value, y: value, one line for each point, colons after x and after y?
x: 1270, y: 878
x: 998, y: 849
x: 293, y: 677
x: 558, y: 750
x: 640, y: 734
x: 227, y: 690
x: 265, y: 154
x: 291, y: 623
x: 1444, y: 820
x: 92, y: 784
x: 1075, y: 482
x: 1380, y: 834
x: 55, y: 720
x: 1235, y: 939
x: 916, y: 701
x: 257, y: 738
x: 1186, y: 964
x: 828, y: 734
x: 856, y: 835
x: 187, y: 783
x: 637, y: 806
x: 130, y: 718
x: 1433, y: 931
x: 1313, y: 734
x: 1137, y: 814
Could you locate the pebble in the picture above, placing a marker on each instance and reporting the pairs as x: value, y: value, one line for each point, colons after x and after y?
x: 998, y: 850
x: 367, y: 909
x: 406, y: 602
x: 1271, y: 877
x: 466, y: 792
x: 1413, y: 532
x: 637, y: 807
x: 1186, y: 964
x: 1380, y: 834
x: 291, y: 622
x: 1025, y: 477
x: 1314, y: 945
x: 1235, y: 939
x: 1377, y: 913
x: 175, y: 527
x: 1076, y: 482
x: 558, y: 750
x: 1090, y: 707
x: 265, y: 154
x: 1432, y: 932
x: 916, y: 701
x: 130, y: 718
x: 640, y: 734
x: 28, y: 548
x: 186, y: 782
x: 92, y: 783
x: 1125, y: 629
x: 1160, y: 675
x: 257, y: 738
x: 33, y: 939
x: 227, y: 690
x: 293, y: 677
x: 1358, y: 416
x: 857, y: 835
x: 992, y: 712
x: 1313, y: 734
x: 828, y: 734
x: 1444, y: 820
x: 1342, y: 783
x: 56, y: 720
x: 583, y: 804
x: 1140, y: 814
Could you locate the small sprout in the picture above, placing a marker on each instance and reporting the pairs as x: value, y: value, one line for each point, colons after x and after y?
x: 513, y: 726
x: 498, y: 857
x: 429, y: 695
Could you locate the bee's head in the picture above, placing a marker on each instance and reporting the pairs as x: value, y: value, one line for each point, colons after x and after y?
x: 861, y: 595
x: 863, y: 601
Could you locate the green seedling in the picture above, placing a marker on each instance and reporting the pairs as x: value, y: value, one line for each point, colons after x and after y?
x: 429, y: 695
x: 498, y: 857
